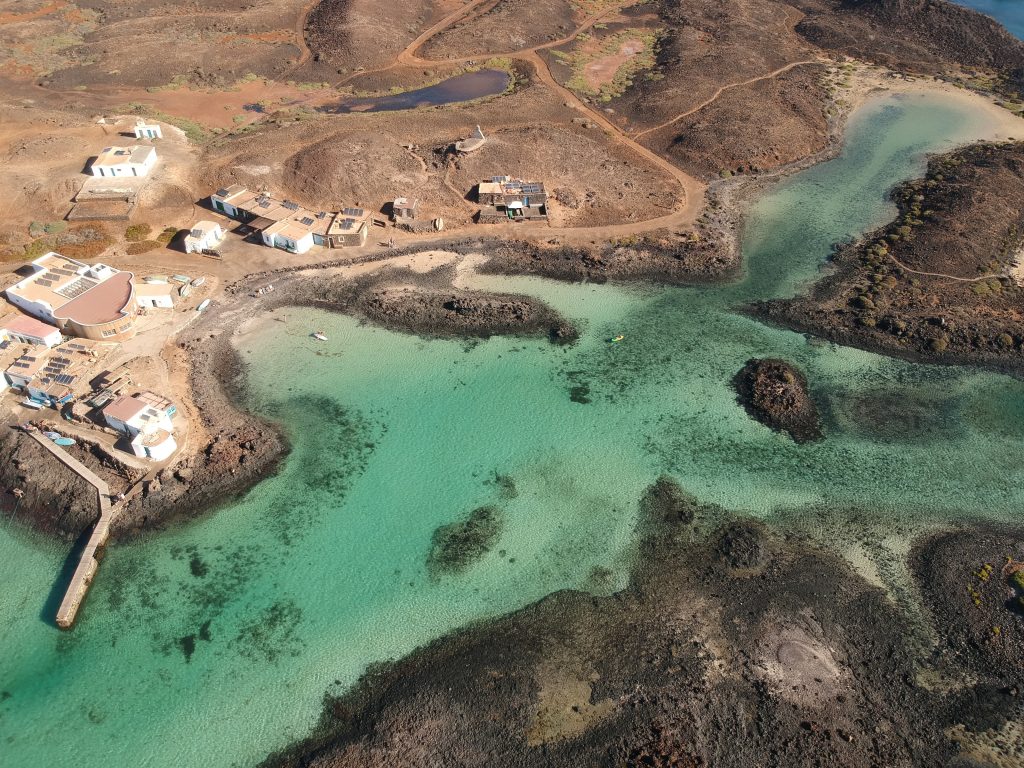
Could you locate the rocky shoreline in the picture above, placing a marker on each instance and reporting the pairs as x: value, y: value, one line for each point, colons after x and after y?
x: 741, y: 646
x: 933, y: 285
x: 237, y: 449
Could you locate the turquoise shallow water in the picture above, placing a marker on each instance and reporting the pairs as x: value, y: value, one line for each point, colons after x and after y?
x: 213, y: 644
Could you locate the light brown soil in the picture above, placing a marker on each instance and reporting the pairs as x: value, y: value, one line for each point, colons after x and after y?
x: 594, y: 183
x: 601, y: 71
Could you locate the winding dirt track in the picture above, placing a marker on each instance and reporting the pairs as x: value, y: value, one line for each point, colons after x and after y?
x: 691, y: 189
x: 714, y: 97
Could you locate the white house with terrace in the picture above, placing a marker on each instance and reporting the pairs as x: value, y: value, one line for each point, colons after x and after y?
x: 136, y: 160
x: 145, y: 419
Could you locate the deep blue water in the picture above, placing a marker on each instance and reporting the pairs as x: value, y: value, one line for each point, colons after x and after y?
x: 1009, y: 13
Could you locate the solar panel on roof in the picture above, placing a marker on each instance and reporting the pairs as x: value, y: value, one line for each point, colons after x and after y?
x: 64, y: 378
x: 307, y: 221
x: 75, y: 289
x: 222, y: 193
x: 19, y: 364
x: 353, y: 211
x: 263, y: 203
x: 62, y: 360
x: 45, y: 282
x: 28, y: 358
x: 290, y: 205
x: 321, y: 214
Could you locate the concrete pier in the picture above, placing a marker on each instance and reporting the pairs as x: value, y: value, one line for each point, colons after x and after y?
x: 88, y: 564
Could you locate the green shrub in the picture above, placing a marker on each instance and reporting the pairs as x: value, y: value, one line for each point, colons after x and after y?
x: 137, y: 232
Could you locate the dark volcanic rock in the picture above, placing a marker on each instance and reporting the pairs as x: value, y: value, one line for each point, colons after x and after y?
x: 457, y: 546
x: 43, y: 492
x: 743, y: 546
x: 775, y: 393
x: 464, y: 313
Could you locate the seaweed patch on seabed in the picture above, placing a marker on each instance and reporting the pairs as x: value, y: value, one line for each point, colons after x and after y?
x: 892, y: 415
x: 456, y: 546
x: 271, y: 634
x: 326, y: 467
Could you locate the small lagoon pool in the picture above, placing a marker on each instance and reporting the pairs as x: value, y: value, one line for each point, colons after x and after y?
x: 465, y: 87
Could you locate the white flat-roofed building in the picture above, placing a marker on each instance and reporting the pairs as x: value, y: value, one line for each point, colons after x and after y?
x: 144, y: 130
x: 289, y: 235
x: 204, y: 236
x: 155, y: 295
x: 28, y: 330
x: 136, y: 160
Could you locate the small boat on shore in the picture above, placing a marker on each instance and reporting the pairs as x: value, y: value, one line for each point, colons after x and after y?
x: 51, y: 435
x: 319, y: 335
x: 203, y: 305
x: 28, y: 402
x: 198, y: 281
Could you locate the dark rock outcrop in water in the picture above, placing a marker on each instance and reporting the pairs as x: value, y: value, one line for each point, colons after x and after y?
x: 464, y: 313
x: 458, y: 545
x: 935, y: 284
x: 775, y: 393
x: 730, y: 650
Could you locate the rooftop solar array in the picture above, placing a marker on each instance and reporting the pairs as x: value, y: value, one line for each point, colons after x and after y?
x: 76, y: 288
x: 353, y: 211
x: 222, y: 193
x: 64, y: 378
x: 290, y: 205
x: 307, y: 221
